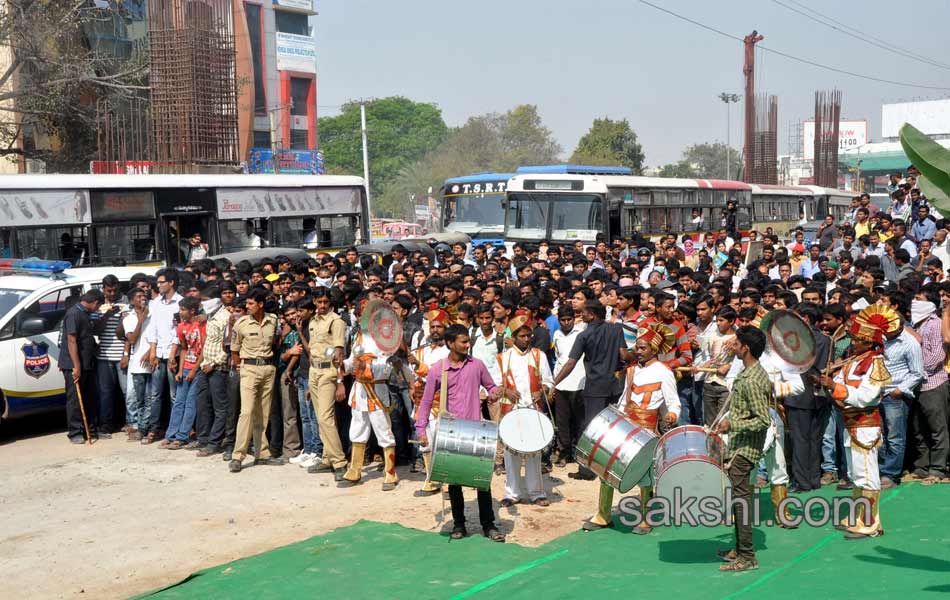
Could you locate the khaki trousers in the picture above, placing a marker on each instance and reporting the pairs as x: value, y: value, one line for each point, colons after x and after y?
x: 257, y: 389
x: 322, y: 391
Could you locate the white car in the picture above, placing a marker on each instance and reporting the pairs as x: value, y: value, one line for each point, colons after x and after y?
x: 33, y: 295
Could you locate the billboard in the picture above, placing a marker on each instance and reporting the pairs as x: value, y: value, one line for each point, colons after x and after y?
x: 250, y: 203
x: 932, y: 117
x: 851, y: 135
x: 296, y: 53
x: 40, y: 208
x: 289, y: 162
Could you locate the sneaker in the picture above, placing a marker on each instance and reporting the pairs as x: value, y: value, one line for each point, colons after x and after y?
x: 78, y: 440
x: 226, y: 456
x: 302, y: 457
x: 311, y: 460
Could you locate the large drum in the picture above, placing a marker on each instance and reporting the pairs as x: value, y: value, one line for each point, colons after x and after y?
x: 464, y: 452
x: 616, y: 449
x: 691, y: 460
x: 525, y: 431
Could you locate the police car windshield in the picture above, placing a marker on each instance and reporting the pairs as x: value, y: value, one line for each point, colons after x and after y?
x: 9, y: 299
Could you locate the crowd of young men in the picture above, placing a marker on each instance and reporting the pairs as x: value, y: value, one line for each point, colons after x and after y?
x: 269, y: 361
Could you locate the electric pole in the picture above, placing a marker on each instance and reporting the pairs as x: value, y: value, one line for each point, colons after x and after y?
x: 365, y: 156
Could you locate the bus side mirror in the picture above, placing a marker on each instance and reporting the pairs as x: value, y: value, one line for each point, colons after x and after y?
x: 33, y: 326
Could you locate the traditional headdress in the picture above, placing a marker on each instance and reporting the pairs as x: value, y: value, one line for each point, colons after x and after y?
x: 438, y: 315
x: 521, y: 319
x: 874, y: 323
x: 660, y: 337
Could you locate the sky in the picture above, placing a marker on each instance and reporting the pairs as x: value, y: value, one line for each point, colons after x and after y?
x: 578, y: 61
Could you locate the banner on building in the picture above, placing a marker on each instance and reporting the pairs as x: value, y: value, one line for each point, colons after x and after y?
x: 252, y: 203
x: 40, y: 209
x: 289, y: 162
x: 851, y: 135
x: 296, y: 53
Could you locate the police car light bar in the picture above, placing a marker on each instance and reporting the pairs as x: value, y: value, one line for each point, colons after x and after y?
x: 34, y: 265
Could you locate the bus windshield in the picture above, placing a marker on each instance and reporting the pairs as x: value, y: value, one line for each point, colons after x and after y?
x: 559, y: 217
x: 471, y: 214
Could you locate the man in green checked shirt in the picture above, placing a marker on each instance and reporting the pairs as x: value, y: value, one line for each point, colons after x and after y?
x: 747, y: 425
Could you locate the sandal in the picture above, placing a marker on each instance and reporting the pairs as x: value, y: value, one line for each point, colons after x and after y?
x: 727, y: 555
x: 641, y: 530
x: 541, y: 502
x: 929, y: 480
x: 495, y: 535
x: 458, y: 533
x: 740, y: 564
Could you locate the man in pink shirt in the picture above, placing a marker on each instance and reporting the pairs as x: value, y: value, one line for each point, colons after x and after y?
x: 465, y: 375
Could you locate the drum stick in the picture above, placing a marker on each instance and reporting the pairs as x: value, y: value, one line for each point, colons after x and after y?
x: 698, y: 369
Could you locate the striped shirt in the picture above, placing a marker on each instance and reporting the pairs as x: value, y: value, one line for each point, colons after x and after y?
x: 933, y: 354
x: 682, y: 353
x: 749, y: 413
x: 904, y: 360
x: 110, y: 346
x: 214, y: 352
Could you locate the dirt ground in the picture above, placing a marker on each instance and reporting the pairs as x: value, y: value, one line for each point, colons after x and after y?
x: 115, y: 519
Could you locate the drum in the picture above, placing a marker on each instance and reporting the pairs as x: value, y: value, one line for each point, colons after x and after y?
x: 691, y: 460
x: 525, y: 431
x: 617, y: 449
x: 463, y: 452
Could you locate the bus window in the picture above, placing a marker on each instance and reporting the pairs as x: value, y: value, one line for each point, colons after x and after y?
x: 342, y: 230
x: 527, y: 216
x: 55, y: 243
x: 294, y: 233
x: 131, y: 243
x: 576, y: 217
x: 241, y: 235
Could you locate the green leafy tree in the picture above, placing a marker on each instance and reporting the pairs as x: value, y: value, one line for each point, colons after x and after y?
x: 610, y: 142
x: 682, y: 169
x: 492, y: 142
x: 709, y: 160
x: 399, y: 131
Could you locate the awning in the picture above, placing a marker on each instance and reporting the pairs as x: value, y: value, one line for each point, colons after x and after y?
x: 888, y: 162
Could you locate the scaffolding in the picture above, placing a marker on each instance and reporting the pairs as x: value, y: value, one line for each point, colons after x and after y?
x: 193, y: 97
x: 827, y: 118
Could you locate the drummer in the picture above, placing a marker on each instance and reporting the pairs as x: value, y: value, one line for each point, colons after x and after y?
x: 526, y: 379
x: 464, y: 375
x: 649, y: 393
x: 422, y: 358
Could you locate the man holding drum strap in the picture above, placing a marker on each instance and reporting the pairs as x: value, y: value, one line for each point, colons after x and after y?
x: 650, y: 391
x: 526, y: 377
x: 464, y: 375
x: 747, y: 425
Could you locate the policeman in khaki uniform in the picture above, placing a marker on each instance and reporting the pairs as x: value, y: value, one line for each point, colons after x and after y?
x: 252, y: 353
x: 327, y: 333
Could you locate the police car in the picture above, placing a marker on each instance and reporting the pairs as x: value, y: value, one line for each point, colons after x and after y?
x: 33, y: 301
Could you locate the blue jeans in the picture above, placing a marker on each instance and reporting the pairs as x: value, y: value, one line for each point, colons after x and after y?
x: 834, y: 456
x: 156, y: 384
x: 691, y: 412
x: 308, y: 420
x: 184, y: 408
x: 108, y: 374
x: 135, y: 406
x: 891, y: 456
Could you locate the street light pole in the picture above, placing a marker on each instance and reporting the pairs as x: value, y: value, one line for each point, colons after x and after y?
x: 727, y: 98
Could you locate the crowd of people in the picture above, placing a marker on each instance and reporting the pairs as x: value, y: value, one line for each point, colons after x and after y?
x: 270, y: 361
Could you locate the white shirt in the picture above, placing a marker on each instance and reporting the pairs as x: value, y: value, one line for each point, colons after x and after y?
x: 485, y: 349
x: 161, y: 324
x: 562, y: 350
x: 514, y: 368
x: 359, y: 397
x: 311, y: 240
x: 249, y: 242
x: 666, y: 399
x: 140, y: 347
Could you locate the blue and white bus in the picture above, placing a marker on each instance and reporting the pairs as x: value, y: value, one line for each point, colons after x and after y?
x: 474, y: 204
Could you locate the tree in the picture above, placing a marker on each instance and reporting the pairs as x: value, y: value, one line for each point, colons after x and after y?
x: 683, y: 169
x: 399, y: 131
x: 609, y: 142
x: 491, y: 142
x: 61, y: 62
x: 709, y: 161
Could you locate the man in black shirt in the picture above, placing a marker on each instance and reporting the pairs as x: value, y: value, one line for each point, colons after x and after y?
x: 600, y: 345
x: 77, y: 361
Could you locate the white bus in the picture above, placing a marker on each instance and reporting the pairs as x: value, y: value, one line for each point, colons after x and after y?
x: 148, y: 219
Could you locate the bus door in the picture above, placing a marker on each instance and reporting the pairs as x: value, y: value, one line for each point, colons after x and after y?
x: 181, y: 214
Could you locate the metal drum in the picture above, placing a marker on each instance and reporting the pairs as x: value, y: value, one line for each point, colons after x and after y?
x: 525, y: 431
x: 691, y: 460
x: 616, y: 449
x: 464, y: 452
